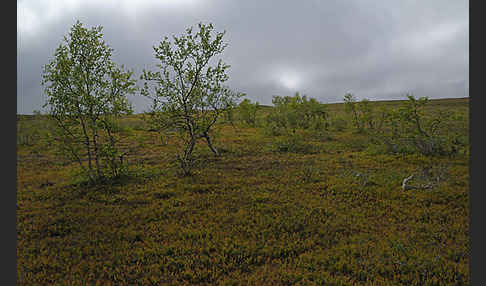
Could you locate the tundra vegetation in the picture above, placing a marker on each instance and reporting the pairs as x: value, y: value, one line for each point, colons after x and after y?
x: 298, y: 193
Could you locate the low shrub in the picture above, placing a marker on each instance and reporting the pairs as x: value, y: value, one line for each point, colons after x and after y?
x: 409, y: 129
x: 294, y: 144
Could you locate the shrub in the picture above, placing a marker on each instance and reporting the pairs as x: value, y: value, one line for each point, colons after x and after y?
x: 248, y: 111
x: 365, y: 117
x: 351, y: 108
x: 410, y: 130
x: 298, y: 112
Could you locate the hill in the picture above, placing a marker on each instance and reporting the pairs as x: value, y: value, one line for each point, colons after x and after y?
x: 332, y: 212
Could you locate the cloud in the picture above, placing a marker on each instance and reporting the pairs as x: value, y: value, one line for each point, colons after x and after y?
x: 34, y: 16
x: 324, y: 49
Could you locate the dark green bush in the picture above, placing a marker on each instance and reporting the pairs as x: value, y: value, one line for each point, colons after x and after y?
x: 248, y: 111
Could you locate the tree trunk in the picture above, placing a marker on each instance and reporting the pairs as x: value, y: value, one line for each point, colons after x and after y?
x: 97, y: 152
x: 208, y: 140
x: 186, y: 160
x: 91, y: 175
x: 87, y: 144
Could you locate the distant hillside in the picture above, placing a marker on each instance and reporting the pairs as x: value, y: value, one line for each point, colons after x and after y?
x: 441, y: 101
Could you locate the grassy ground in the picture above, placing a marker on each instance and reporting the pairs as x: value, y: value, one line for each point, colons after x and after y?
x: 333, y: 214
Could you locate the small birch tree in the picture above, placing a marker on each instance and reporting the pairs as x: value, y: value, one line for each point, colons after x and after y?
x: 350, y: 106
x: 86, y: 94
x: 189, y: 88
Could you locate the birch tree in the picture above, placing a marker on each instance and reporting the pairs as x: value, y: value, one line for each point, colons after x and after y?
x: 189, y: 87
x: 86, y: 94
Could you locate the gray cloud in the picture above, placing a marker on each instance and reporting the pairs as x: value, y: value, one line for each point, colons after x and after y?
x: 375, y: 49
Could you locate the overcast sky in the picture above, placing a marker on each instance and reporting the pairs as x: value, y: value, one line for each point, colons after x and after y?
x: 374, y: 49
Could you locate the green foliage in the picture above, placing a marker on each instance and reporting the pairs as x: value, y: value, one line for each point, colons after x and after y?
x: 367, y: 113
x: 248, y: 111
x: 297, y: 112
x: 351, y: 108
x: 86, y: 94
x: 410, y: 129
x: 228, y: 115
x: 364, y: 113
x: 189, y: 93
